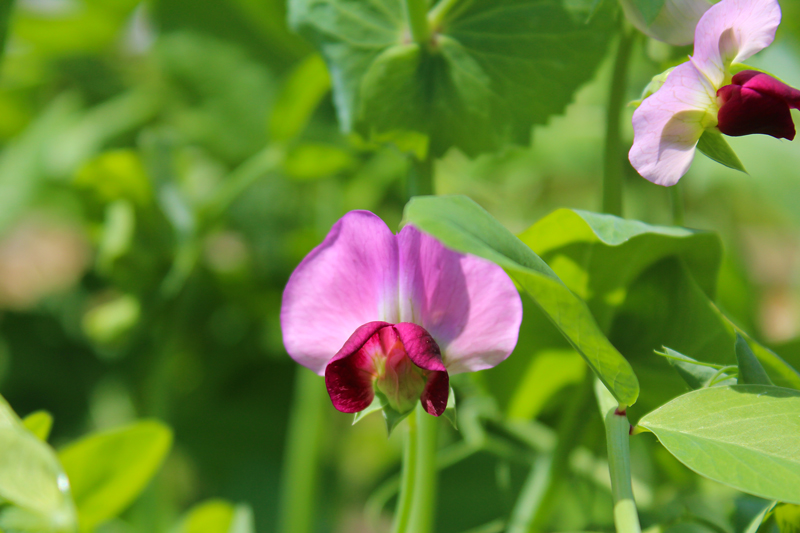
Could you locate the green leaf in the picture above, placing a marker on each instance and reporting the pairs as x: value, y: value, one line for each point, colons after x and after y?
x: 666, y: 306
x: 598, y: 256
x: 31, y: 480
x: 376, y: 405
x: 741, y: 435
x: 218, y: 516
x: 750, y: 370
x: 463, y: 225
x: 715, y: 147
x: 549, y: 371
x: 315, y: 161
x: 695, y: 373
x: 758, y: 519
x: 649, y: 9
x: 489, y: 73
x: 39, y: 423
x: 109, y: 470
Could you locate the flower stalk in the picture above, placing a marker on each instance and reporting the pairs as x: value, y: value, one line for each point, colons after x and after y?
x: 417, y: 18
x: 626, y: 517
x: 613, y: 162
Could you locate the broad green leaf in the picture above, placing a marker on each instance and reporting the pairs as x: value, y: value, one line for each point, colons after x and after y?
x: 750, y: 370
x: 300, y: 96
x: 39, y: 423
x: 598, y: 256
x: 31, y: 480
x: 218, y: 516
x: 489, y: 73
x: 745, y: 436
x: 715, y: 147
x: 463, y: 225
x: 109, y: 470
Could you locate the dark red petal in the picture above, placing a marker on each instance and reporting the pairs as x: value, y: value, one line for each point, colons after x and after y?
x: 767, y: 85
x: 746, y: 111
x: 347, y: 376
x: 424, y: 352
x: 434, y: 397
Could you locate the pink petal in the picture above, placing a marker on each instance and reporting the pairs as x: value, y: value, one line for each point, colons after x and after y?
x: 424, y: 352
x: 732, y: 31
x: 348, y: 376
x: 348, y: 280
x: 469, y: 305
x: 669, y: 123
x: 757, y: 103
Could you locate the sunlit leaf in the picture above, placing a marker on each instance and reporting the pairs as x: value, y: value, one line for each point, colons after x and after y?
x: 742, y: 436
x: 109, y: 470
x: 39, y: 423
x: 463, y: 225
x: 218, y: 516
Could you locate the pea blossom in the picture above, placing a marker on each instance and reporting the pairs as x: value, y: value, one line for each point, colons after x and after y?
x: 395, y: 315
x: 704, y: 94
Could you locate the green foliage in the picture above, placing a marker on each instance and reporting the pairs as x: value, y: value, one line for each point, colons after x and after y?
x: 34, y: 489
x: 750, y: 370
x: 714, y: 145
x: 464, y: 226
x: 218, y: 516
x: 489, y: 73
x: 698, y: 374
x: 649, y: 9
x: 39, y: 423
x: 108, y: 470
x: 740, y: 435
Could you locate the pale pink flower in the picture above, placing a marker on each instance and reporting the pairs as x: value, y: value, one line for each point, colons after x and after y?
x: 704, y: 94
x: 395, y: 314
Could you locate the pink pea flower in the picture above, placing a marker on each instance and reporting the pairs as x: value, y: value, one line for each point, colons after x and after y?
x: 703, y: 93
x: 395, y: 315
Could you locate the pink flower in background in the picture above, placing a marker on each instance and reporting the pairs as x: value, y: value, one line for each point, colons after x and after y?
x: 395, y: 315
x: 703, y: 94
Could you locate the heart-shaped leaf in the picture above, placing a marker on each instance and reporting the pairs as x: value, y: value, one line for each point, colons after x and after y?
x: 489, y: 72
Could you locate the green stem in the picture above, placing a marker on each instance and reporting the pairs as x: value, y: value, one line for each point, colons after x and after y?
x: 403, y: 512
x: 423, y: 499
x: 303, y: 442
x: 6, y: 7
x: 626, y: 518
x: 420, y: 177
x: 417, y: 17
x: 534, y: 503
x: 439, y: 12
x: 613, y: 163
x: 676, y: 195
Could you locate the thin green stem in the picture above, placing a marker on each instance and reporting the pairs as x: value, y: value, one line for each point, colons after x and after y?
x: 420, y: 177
x: 423, y: 499
x: 613, y: 163
x: 676, y: 195
x: 402, y: 514
x: 439, y: 12
x: 417, y: 18
x: 626, y: 517
x: 534, y: 503
x: 303, y: 442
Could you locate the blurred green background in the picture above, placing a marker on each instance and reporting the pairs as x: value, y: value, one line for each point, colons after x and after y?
x: 166, y: 164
